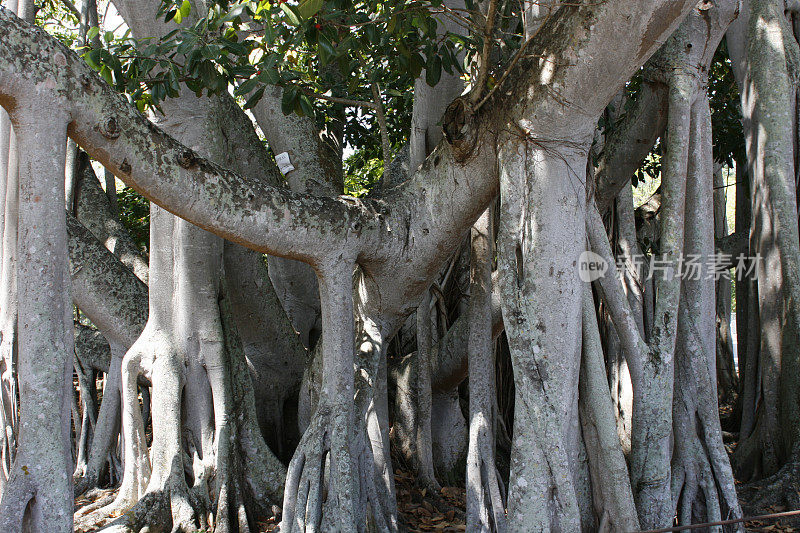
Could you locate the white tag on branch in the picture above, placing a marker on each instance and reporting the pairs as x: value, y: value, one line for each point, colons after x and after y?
x: 284, y: 163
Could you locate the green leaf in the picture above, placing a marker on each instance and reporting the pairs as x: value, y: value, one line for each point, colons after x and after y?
x: 306, y: 107
x: 93, y: 32
x: 207, y: 73
x: 308, y: 8
x: 433, y: 72
x: 246, y: 87
x: 269, y: 34
x: 269, y: 76
x: 254, y: 98
x: 416, y: 65
x: 186, y: 8
x: 291, y: 14
x: 92, y: 59
x: 372, y: 33
x: 288, y: 100
x: 105, y: 72
x: 325, y: 47
x: 158, y: 92
x: 233, y: 13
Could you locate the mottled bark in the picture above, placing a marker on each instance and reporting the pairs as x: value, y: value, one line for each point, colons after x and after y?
x: 485, y: 508
x: 39, y: 489
x: 611, y: 489
x: 332, y: 435
x: 633, y: 282
x: 104, y: 289
x: 541, y: 307
x: 702, y: 480
x: 95, y: 211
x: 760, y: 57
x: 652, y: 420
x: 8, y: 291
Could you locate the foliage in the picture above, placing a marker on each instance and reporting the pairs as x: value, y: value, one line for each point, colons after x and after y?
x: 650, y: 167
x: 362, y: 173
x: 311, y: 48
x: 726, y: 118
x: 59, y: 21
x: 134, y: 213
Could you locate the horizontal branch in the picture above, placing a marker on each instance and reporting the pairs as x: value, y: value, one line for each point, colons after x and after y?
x: 416, y: 225
x: 252, y: 213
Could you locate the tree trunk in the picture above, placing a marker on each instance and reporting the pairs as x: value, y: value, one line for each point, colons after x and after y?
x: 761, y: 72
x: 727, y: 377
x: 702, y: 481
x: 485, y: 508
x: 39, y: 490
x: 652, y: 420
x: 541, y: 187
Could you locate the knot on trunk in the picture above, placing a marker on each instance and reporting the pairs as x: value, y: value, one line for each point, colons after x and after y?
x: 109, y: 128
x: 187, y: 159
x: 458, y: 125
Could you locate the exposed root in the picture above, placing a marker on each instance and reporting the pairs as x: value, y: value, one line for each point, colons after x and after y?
x: 778, y: 492
x: 702, y: 480
x: 168, y: 506
x: 175, y: 510
x: 483, y: 487
x: 757, y: 454
x: 333, y: 452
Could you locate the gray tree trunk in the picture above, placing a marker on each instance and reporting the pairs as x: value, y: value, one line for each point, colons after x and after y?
x: 761, y: 46
x: 541, y: 308
x: 39, y: 490
x: 702, y: 480
x: 485, y: 508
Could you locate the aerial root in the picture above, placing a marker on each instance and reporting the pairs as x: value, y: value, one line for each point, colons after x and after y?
x: 324, y: 459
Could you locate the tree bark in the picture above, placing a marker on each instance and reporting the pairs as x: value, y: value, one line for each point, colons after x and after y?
x: 610, y: 482
x: 761, y: 71
x: 702, y: 480
x: 540, y: 188
x: 39, y: 490
x: 485, y: 509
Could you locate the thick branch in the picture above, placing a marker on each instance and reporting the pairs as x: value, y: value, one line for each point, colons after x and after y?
x: 104, y: 289
x: 113, y: 132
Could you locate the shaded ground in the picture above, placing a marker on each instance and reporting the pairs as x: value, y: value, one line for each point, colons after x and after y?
x: 419, y: 510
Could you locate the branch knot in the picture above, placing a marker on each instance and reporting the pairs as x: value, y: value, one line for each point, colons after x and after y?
x: 110, y: 129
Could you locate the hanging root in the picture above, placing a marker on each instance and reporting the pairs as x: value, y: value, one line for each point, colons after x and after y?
x: 702, y: 479
x: 330, y: 448
x: 486, y: 509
